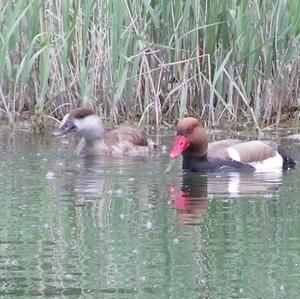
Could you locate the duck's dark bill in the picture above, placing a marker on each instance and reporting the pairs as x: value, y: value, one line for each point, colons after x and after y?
x: 66, y: 128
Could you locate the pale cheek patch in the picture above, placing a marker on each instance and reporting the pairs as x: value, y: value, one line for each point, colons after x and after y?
x: 89, y: 127
x: 234, y: 154
x: 86, y: 123
x: 78, y: 123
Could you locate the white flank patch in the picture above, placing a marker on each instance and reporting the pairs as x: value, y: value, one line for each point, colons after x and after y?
x: 270, y: 164
x: 234, y: 154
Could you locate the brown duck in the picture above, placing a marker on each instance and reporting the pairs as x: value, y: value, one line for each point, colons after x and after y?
x: 96, y: 140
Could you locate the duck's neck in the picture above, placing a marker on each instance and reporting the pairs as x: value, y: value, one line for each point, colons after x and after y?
x: 92, y: 142
x: 88, y: 148
x: 194, y: 163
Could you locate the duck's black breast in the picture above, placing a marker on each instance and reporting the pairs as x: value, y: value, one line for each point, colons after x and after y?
x: 204, y: 164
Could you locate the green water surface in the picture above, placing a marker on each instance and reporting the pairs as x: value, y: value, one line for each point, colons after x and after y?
x: 123, y: 228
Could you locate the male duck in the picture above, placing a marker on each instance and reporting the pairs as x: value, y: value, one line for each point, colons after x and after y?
x: 226, y: 155
x: 96, y: 140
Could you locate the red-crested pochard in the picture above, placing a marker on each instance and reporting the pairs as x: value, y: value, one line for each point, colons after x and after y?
x: 96, y: 140
x: 226, y: 155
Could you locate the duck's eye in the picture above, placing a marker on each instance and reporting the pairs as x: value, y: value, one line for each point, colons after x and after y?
x: 69, y: 125
x: 73, y: 126
x: 189, y: 131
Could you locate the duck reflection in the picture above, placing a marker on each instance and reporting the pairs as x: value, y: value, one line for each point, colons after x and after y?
x: 92, y: 178
x: 236, y: 184
x: 191, y: 200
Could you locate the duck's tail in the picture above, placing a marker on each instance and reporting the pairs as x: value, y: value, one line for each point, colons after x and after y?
x: 288, y: 161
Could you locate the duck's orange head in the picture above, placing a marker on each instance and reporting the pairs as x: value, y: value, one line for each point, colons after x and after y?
x: 191, y: 139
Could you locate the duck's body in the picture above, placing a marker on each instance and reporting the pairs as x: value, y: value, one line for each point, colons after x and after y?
x: 208, y: 164
x: 225, y: 155
x: 97, y: 141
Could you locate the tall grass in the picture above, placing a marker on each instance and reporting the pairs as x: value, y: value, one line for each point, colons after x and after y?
x: 154, y: 61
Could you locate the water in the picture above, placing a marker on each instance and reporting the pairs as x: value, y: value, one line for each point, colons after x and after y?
x: 123, y: 228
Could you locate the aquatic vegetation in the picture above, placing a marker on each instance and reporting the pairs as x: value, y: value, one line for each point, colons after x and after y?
x: 151, y: 60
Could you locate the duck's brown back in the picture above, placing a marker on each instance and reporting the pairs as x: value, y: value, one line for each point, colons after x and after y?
x: 128, y: 141
x: 218, y: 149
x: 127, y: 135
x: 252, y: 151
x: 121, y: 141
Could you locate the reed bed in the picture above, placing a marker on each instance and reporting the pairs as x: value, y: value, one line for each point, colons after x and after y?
x: 152, y: 61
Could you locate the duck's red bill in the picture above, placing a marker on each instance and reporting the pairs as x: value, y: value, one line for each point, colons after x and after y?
x: 180, y: 145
